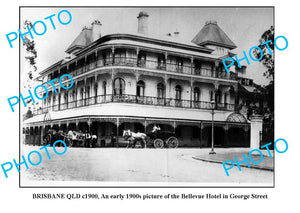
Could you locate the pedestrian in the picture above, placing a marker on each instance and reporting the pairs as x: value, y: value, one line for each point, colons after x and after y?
x: 112, y: 140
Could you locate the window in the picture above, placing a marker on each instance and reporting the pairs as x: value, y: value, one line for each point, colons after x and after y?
x: 196, y: 94
x: 225, y: 98
x: 81, y: 93
x: 66, y: 97
x: 179, y: 64
x: 140, y: 88
x: 243, y: 81
x: 104, y: 88
x: 218, y: 96
x: 161, y: 64
x: 178, y: 92
x: 96, y: 89
x: 88, y: 92
x: 212, y: 95
x: 250, y: 82
x: 142, y: 59
x: 119, y: 86
x: 160, y: 90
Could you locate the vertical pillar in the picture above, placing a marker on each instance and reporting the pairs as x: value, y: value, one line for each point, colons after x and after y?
x: 42, y: 133
x: 112, y: 84
x: 201, y: 133
x: 137, y: 55
x: 117, y: 138
x: 75, y: 89
x: 96, y: 58
x: 85, y: 66
x: 256, y: 128
x: 167, y: 94
x: 226, y: 136
x: 85, y: 91
x: 113, y: 54
x: 68, y: 125
x: 33, y: 136
x: 247, y: 136
x: 192, y: 65
x: 76, y: 125
x: 166, y: 58
x: 89, y: 125
x: 191, y: 91
x: 59, y: 96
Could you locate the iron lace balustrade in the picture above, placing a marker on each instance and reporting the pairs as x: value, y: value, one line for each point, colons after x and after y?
x: 134, y: 99
x: 154, y: 65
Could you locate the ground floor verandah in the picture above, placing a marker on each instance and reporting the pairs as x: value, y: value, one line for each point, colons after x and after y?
x: 109, y: 130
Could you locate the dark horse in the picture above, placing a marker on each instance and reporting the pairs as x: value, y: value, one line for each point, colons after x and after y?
x: 53, y: 135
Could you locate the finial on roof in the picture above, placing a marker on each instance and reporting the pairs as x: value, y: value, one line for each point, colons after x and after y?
x: 211, y: 22
x: 85, y: 28
x: 96, y: 22
x: 143, y: 13
x: 176, y: 33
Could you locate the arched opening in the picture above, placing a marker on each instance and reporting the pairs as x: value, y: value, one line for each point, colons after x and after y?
x: 119, y: 86
x: 140, y: 88
x: 188, y: 135
x: 219, y: 136
x: 178, y: 93
x: 104, y: 88
x: 237, y: 137
x: 196, y: 94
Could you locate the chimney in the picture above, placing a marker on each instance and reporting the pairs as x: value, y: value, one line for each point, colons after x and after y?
x: 176, y: 33
x: 96, y: 30
x: 143, y: 22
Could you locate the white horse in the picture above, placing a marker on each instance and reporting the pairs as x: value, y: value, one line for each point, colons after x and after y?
x: 132, y: 137
x: 155, y: 128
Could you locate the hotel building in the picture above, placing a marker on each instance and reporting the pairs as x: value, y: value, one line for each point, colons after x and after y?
x: 137, y: 80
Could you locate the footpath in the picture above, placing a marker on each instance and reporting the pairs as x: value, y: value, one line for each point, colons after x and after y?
x: 220, y: 157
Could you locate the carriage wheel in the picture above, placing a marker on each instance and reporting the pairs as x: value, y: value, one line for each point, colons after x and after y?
x: 172, y: 142
x: 158, y: 143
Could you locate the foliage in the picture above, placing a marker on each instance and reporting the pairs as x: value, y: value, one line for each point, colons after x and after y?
x: 267, y: 58
x: 30, y: 49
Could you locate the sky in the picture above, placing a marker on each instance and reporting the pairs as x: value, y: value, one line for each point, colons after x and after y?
x: 244, y: 26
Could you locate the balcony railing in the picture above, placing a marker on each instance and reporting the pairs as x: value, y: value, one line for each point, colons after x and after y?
x: 154, y: 65
x: 134, y: 99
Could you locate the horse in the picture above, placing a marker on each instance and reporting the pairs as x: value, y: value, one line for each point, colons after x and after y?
x: 133, y: 137
x: 89, y: 140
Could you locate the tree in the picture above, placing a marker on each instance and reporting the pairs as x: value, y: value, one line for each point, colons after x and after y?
x: 267, y: 58
x: 268, y: 62
x: 30, y: 57
x: 31, y: 53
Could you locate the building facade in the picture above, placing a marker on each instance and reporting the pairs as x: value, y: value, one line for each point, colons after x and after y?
x: 138, y: 80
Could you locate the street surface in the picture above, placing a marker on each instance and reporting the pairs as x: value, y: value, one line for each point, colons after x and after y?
x: 119, y: 165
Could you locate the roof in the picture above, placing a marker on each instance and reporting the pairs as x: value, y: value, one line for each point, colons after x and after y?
x: 158, y: 47
x: 82, y: 40
x: 211, y: 33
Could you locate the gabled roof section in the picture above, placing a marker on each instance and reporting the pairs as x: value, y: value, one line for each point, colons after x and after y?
x: 82, y: 40
x: 211, y: 33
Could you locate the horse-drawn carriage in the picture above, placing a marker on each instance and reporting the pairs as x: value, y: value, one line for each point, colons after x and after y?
x: 72, y: 138
x: 156, y: 138
x: 82, y: 139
